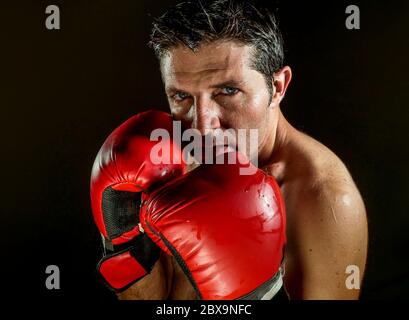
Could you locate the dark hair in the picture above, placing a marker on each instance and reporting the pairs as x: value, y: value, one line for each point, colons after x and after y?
x: 194, y: 22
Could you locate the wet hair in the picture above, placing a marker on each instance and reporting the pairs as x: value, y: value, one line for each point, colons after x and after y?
x: 197, y: 22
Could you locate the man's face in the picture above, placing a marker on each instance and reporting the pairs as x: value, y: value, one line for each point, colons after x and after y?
x: 215, y: 88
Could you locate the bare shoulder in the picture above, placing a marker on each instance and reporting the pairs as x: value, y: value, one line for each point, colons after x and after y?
x: 322, y: 181
x: 326, y: 224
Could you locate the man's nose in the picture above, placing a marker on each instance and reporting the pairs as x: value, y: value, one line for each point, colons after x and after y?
x: 205, y: 116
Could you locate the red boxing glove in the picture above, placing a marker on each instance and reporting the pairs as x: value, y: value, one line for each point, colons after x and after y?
x: 226, y: 230
x: 122, y: 173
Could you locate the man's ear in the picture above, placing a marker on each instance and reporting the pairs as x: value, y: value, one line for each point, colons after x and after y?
x: 281, y: 81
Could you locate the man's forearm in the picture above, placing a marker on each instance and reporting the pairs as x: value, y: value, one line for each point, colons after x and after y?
x: 154, y: 286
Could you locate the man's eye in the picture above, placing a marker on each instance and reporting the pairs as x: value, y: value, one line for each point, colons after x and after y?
x: 229, y: 91
x: 180, y: 96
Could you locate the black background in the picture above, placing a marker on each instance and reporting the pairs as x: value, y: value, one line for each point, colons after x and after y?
x: 63, y: 91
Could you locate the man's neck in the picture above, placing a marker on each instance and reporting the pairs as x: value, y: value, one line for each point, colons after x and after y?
x: 277, y: 142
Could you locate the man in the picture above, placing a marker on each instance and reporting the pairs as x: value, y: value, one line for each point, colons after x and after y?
x: 222, y: 68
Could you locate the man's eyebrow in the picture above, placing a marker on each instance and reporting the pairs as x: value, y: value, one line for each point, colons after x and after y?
x: 172, y: 89
x: 228, y: 83
x: 224, y: 84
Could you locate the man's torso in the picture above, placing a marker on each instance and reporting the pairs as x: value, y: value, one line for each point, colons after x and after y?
x: 305, y: 167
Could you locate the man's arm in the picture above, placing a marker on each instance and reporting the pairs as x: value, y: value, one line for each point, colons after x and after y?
x: 327, y: 232
x: 166, y: 281
x: 155, y: 285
